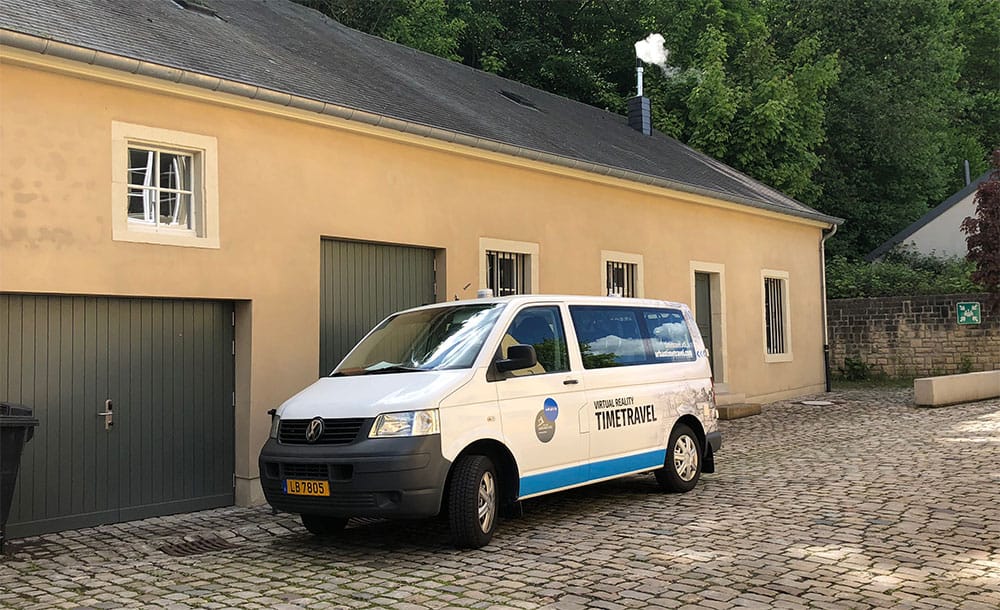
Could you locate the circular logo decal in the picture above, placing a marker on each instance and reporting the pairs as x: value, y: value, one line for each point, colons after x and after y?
x: 314, y: 430
x: 551, y: 409
x: 545, y: 429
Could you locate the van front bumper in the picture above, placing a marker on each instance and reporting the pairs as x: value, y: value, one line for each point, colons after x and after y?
x: 384, y: 477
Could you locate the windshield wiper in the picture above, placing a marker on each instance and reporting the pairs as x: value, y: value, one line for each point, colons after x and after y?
x: 396, y: 368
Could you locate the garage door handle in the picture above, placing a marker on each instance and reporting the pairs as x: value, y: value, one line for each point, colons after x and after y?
x: 107, y: 414
x: 571, y: 381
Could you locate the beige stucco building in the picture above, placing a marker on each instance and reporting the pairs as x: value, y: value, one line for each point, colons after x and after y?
x: 132, y: 183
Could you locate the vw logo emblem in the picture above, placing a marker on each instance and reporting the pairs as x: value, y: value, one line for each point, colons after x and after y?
x: 314, y: 430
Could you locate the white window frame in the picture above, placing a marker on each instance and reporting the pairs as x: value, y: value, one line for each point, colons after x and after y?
x: 628, y: 258
x: 720, y: 349
x: 786, y: 317
x: 204, y: 189
x: 530, y: 249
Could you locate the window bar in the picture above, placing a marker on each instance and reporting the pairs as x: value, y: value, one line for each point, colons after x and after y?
x: 621, y: 278
x: 780, y: 302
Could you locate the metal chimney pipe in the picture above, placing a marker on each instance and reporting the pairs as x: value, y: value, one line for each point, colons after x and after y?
x: 638, y: 77
x: 968, y: 178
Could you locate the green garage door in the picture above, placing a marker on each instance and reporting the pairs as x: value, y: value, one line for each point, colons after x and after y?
x: 165, y: 367
x: 360, y: 284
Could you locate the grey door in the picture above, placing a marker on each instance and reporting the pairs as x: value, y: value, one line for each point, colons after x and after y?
x: 166, y: 366
x: 360, y: 284
x: 703, y: 311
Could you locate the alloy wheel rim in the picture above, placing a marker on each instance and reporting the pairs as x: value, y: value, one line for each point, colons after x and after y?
x: 487, y: 501
x: 685, y: 458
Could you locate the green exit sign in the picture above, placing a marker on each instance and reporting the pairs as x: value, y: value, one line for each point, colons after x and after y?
x: 970, y: 313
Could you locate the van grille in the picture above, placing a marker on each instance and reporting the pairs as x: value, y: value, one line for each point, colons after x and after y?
x: 304, y: 471
x: 335, y: 431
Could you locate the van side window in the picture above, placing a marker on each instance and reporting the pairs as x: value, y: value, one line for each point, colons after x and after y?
x: 669, y: 335
x: 609, y: 336
x: 541, y: 328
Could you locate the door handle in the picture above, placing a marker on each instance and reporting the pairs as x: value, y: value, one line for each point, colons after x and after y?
x: 571, y: 381
x: 108, y: 414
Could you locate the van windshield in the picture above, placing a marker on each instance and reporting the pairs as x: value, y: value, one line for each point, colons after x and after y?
x: 425, y: 340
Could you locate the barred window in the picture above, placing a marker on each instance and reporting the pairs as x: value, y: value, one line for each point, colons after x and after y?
x: 621, y: 279
x: 507, y: 272
x: 776, y: 316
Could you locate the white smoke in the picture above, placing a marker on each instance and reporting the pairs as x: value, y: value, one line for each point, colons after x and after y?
x: 651, y: 50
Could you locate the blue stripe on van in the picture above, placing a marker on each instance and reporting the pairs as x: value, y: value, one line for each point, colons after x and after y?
x: 575, y: 475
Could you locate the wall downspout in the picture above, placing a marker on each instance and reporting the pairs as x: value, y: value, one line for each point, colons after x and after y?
x: 826, y: 329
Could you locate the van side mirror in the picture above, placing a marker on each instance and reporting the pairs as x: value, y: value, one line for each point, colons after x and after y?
x: 518, y: 357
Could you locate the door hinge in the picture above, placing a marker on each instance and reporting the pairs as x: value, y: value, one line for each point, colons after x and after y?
x: 234, y: 347
x: 234, y: 319
x: 234, y: 398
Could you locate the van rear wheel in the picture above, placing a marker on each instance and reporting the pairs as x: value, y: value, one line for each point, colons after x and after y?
x: 682, y: 467
x: 473, y: 501
x: 322, y: 526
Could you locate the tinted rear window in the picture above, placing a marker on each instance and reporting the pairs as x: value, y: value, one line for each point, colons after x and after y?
x: 621, y: 336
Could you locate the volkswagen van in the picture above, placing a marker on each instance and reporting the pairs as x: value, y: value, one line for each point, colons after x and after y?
x: 468, y: 407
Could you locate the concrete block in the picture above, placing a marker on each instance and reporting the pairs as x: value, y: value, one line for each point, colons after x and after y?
x: 954, y: 389
x: 736, y: 411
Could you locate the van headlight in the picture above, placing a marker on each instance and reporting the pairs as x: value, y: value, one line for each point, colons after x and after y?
x: 275, y: 423
x: 406, y: 423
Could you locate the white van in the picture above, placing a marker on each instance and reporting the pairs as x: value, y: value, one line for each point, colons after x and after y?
x: 470, y: 406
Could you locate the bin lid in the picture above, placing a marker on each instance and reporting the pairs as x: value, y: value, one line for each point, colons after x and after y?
x: 16, y: 415
x: 10, y: 408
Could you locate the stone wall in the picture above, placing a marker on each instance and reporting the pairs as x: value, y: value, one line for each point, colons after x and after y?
x: 912, y: 336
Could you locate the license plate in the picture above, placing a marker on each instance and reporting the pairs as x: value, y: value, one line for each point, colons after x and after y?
x: 301, y: 487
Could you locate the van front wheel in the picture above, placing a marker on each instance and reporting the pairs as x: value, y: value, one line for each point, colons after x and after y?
x: 682, y: 468
x: 473, y: 501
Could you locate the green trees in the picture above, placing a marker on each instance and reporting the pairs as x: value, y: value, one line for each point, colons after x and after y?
x: 894, y: 141
x: 741, y: 98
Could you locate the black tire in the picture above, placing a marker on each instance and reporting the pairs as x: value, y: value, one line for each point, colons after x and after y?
x: 322, y: 526
x: 682, y: 467
x: 473, y: 501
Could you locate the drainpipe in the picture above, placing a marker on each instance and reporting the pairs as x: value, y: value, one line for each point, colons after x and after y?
x: 826, y: 329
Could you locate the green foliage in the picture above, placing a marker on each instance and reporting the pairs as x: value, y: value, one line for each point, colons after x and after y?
x: 739, y: 98
x: 892, y: 148
x: 427, y: 25
x: 979, y: 84
x: 855, y: 369
x: 902, y: 272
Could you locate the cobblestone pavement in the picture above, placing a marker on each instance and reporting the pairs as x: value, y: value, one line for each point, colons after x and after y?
x: 868, y: 503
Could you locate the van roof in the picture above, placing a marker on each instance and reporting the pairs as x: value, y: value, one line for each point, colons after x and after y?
x: 571, y: 299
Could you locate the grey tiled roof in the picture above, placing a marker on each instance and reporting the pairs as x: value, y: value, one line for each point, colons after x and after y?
x: 284, y: 47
